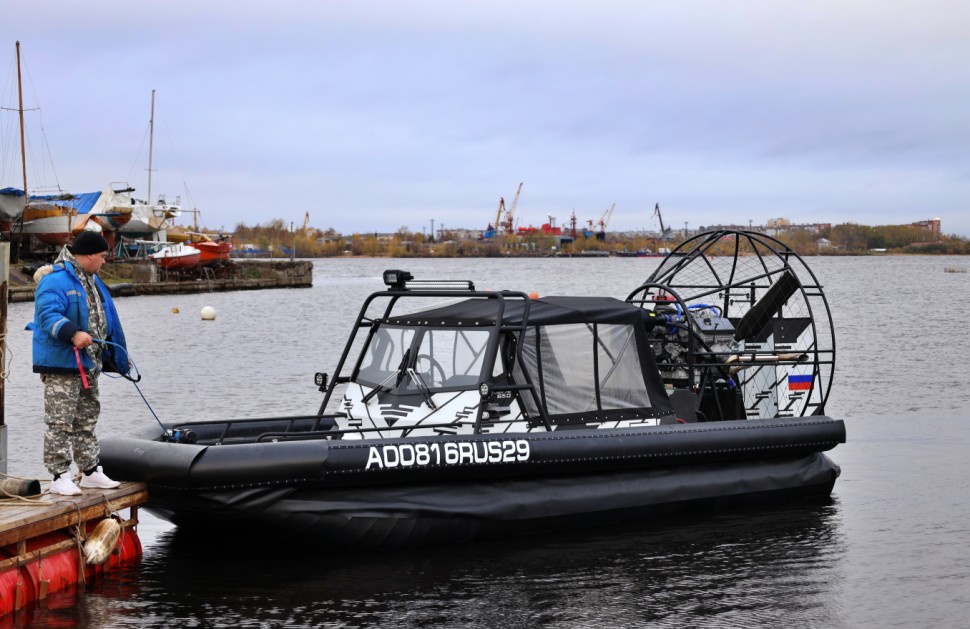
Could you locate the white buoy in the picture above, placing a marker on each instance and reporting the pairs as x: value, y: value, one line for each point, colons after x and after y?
x: 208, y: 313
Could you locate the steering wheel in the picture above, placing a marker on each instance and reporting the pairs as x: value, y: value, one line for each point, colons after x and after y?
x: 432, y: 366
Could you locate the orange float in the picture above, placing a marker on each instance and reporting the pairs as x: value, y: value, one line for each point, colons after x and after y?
x: 29, y: 571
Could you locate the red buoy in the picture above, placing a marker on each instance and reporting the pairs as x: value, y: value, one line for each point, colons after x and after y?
x: 52, y: 562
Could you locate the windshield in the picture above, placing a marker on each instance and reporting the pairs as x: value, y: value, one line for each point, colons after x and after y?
x: 384, y: 354
x: 451, y: 358
x: 442, y: 358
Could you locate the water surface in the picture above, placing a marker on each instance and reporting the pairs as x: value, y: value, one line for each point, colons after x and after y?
x: 891, y: 548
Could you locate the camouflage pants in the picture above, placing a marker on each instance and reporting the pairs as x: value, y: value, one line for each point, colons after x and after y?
x: 71, y: 413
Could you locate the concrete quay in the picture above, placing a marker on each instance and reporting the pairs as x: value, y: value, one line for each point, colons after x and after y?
x: 129, y: 279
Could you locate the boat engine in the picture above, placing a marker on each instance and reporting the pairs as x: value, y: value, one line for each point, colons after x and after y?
x: 671, y: 341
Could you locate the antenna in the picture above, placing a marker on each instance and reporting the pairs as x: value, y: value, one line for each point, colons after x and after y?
x: 151, y: 138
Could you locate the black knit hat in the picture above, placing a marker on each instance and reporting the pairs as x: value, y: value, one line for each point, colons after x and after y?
x: 88, y: 242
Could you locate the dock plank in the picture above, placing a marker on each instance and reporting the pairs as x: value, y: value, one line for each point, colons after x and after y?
x: 52, y: 512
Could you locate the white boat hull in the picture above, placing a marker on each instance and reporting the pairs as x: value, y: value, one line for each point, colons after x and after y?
x: 50, y: 230
x: 147, y: 221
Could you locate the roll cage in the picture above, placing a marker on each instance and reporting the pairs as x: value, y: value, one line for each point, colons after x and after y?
x: 495, y: 389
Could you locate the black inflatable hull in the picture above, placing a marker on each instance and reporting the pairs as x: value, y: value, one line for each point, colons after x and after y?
x: 396, y: 493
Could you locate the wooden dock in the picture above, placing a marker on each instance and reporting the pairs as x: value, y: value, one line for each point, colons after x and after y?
x: 41, y: 540
x: 20, y: 521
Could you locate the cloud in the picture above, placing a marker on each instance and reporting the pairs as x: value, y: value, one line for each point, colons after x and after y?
x: 375, y: 114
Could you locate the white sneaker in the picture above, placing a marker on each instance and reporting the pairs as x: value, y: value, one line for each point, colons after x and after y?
x: 98, y: 480
x: 64, y: 486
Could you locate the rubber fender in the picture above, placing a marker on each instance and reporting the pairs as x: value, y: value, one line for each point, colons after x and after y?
x: 102, y: 541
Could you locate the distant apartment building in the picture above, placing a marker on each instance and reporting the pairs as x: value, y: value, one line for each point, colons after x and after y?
x: 929, y: 230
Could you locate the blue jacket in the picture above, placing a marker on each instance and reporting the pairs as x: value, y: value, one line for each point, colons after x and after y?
x: 60, y: 310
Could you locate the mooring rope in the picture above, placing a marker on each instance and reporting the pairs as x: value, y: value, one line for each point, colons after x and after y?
x: 11, y: 500
x: 81, y: 577
x: 121, y: 540
x: 109, y: 509
x: 134, y: 381
x: 119, y: 547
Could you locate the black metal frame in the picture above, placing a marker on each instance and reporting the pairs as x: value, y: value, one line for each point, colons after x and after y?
x: 699, y: 356
x: 443, y: 289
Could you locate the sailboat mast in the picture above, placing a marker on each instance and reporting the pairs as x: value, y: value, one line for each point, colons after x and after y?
x: 151, y: 139
x: 20, y: 98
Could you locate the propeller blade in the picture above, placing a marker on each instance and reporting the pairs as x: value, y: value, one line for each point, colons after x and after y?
x: 755, y: 320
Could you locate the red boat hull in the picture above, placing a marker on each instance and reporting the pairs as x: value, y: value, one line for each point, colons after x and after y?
x: 177, y: 257
x: 183, y: 262
x: 212, y: 253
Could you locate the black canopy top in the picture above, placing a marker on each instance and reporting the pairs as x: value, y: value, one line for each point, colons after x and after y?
x: 545, y: 311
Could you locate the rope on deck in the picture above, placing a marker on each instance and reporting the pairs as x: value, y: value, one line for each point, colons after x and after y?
x: 8, y: 499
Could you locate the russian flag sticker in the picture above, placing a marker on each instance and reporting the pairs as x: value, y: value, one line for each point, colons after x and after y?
x: 799, y: 383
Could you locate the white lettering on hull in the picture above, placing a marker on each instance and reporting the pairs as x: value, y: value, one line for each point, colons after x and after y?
x: 405, y: 455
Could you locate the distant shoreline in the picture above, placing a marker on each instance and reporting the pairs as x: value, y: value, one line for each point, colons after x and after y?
x: 350, y: 256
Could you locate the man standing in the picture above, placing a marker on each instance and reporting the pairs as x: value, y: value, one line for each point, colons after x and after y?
x: 73, y: 310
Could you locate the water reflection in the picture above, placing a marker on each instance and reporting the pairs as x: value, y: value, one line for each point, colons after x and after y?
x: 749, y: 566
x: 892, y: 550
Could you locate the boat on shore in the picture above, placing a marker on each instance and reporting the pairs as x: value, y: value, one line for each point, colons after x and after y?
x: 12, y: 204
x: 106, y: 211
x: 150, y: 219
x: 212, y: 252
x: 52, y: 220
x: 481, y: 414
x: 178, y: 256
x: 49, y: 219
x: 44, y: 219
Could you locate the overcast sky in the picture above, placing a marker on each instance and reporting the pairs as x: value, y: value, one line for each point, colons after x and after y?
x: 373, y: 115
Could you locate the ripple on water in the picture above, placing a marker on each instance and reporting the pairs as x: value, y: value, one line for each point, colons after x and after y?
x: 891, y: 547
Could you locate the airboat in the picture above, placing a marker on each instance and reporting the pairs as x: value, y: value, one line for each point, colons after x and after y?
x: 457, y: 414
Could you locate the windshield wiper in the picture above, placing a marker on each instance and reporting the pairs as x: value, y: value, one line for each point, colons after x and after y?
x: 397, y: 375
x: 422, y: 387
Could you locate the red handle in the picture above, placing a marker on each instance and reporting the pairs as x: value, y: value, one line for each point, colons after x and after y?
x: 80, y: 367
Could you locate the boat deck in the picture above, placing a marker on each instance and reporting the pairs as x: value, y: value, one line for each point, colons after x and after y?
x: 30, y: 518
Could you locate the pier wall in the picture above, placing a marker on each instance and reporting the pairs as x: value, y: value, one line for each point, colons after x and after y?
x: 128, y: 280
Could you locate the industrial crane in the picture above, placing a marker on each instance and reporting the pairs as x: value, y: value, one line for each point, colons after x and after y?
x: 493, y: 229
x: 603, y: 222
x: 507, y: 223
x: 510, y: 213
x: 665, y: 232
